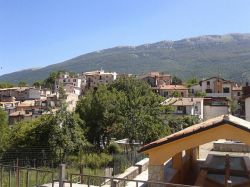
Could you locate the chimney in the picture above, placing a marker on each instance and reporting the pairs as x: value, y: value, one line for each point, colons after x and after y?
x: 246, y: 83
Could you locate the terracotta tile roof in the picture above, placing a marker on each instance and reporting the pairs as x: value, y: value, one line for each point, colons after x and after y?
x: 182, y: 101
x: 173, y: 87
x: 214, y: 122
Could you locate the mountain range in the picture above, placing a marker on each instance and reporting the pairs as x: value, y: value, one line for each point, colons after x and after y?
x: 227, y: 56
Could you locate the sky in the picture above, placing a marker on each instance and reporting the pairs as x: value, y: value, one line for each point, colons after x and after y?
x: 37, y: 33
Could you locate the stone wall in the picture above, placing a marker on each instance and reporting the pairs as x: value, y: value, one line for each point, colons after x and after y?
x: 230, y: 146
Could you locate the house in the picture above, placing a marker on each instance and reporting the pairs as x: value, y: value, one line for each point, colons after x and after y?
x: 155, y: 79
x: 21, y: 93
x: 71, y: 83
x: 19, y: 116
x: 194, y: 89
x: 186, y: 106
x: 215, y: 106
x: 172, y: 90
x: 96, y: 78
x: 217, y: 87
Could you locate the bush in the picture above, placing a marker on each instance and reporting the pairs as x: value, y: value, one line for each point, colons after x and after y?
x: 92, y: 160
x: 114, y: 148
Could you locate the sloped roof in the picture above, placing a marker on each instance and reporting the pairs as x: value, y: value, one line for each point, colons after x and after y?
x: 182, y: 101
x: 211, y: 123
x: 173, y: 87
x: 223, y: 80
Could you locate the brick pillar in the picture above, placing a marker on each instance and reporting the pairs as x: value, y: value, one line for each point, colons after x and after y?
x: 156, y: 174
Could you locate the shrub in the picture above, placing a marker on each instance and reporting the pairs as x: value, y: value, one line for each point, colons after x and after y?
x: 114, y: 148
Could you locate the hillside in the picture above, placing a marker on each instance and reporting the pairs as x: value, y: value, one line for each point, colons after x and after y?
x: 227, y: 55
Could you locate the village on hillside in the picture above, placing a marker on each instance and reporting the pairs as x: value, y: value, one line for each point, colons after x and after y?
x: 205, y: 130
x: 205, y: 98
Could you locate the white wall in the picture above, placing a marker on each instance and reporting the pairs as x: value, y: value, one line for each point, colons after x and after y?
x: 215, y: 111
x: 247, y: 108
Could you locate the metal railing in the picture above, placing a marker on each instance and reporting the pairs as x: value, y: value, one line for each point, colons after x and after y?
x: 122, y: 182
x: 14, y: 178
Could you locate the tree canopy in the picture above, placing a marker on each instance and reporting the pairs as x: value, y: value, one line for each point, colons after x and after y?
x: 126, y: 108
x: 176, y: 80
x: 61, y: 132
x: 4, y: 130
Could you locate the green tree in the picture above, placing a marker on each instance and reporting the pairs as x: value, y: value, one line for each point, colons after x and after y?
x: 192, y: 81
x: 200, y: 94
x: 176, y: 80
x: 50, y: 81
x: 22, y: 84
x: 140, y: 111
x: 61, y: 132
x: 62, y: 93
x: 37, y: 84
x: 177, y: 123
x: 6, y: 85
x: 176, y: 94
x: 127, y: 108
x: 4, y: 131
x: 98, y: 109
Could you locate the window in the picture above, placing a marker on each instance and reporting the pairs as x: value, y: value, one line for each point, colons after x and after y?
x: 74, y: 80
x: 196, y: 108
x: 182, y: 94
x: 208, y: 90
x: 208, y: 83
x: 165, y: 94
x: 238, y: 94
x: 226, y: 90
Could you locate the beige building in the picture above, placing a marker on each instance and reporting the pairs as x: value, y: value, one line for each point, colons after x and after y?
x: 172, y: 90
x: 71, y: 83
x: 96, y: 78
x: 186, y: 106
x: 21, y: 93
x: 217, y: 87
x: 156, y: 79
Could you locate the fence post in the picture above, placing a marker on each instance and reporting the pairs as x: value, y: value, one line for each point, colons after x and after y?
x: 17, y: 174
x: 27, y: 179
x: 61, y: 175
x: 1, y: 183
x: 10, y: 177
x: 81, y: 174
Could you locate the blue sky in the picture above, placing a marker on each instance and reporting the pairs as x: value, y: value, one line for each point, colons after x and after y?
x: 36, y: 33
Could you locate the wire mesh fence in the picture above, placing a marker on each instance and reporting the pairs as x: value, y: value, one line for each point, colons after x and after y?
x: 38, y: 159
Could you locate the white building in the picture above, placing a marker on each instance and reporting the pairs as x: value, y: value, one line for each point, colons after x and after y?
x: 186, y: 106
x: 71, y: 84
x: 96, y: 78
x: 217, y: 87
x: 247, y: 108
